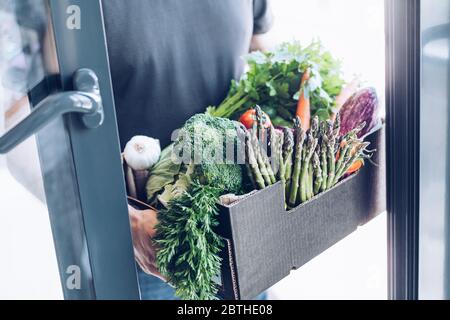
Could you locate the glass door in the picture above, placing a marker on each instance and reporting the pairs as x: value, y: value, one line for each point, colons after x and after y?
x: 355, y: 267
x: 434, y: 219
x: 59, y: 156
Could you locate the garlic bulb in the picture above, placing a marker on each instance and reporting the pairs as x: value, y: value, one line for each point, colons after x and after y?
x: 142, y: 152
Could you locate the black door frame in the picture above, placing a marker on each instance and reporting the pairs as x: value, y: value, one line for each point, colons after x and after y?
x: 403, y: 61
x: 97, y: 165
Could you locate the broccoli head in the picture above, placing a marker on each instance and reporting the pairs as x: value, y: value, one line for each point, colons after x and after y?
x: 206, y: 139
x: 226, y: 177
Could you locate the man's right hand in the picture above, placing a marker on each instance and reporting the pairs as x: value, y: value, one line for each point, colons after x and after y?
x: 143, y: 223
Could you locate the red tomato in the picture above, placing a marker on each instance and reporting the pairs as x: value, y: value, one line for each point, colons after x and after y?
x: 249, y: 118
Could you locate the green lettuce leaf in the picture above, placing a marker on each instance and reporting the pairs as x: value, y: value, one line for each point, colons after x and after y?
x: 163, y: 173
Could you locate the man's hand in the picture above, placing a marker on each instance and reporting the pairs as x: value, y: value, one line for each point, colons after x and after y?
x: 143, y: 225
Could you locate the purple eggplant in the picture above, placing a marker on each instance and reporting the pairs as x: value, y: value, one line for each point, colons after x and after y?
x: 363, y: 106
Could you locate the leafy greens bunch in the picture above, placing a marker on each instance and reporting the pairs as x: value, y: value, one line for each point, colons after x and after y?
x: 273, y: 82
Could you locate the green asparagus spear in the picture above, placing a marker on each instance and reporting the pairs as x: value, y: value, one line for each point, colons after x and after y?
x: 336, y: 132
x: 282, y: 165
x: 269, y: 170
x: 286, y: 160
x: 324, y: 156
x: 288, y: 149
x: 310, y: 182
x: 251, y: 162
x: 276, y: 152
x: 300, y: 137
x: 260, y: 131
x: 311, y: 144
x: 358, y: 153
x: 342, y: 156
x: 315, y: 127
x: 261, y: 164
x: 337, y: 125
x: 317, y: 173
x: 281, y: 172
x: 261, y: 139
x: 331, y: 154
x: 257, y: 151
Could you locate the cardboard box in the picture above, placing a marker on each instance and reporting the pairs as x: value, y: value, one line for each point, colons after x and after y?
x: 264, y: 242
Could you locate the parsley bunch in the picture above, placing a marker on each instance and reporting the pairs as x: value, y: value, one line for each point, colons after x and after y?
x: 273, y: 82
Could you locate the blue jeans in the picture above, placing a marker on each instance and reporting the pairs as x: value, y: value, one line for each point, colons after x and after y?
x: 153, y: 288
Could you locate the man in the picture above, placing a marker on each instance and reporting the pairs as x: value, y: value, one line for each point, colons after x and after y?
x: 170, y: 59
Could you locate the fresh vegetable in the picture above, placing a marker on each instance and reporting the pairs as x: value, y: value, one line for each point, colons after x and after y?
x: 273, y: 82
x: 249, y: 118
x: 203, y: 141
x: 261, y: 134
x: 286, y: 160
x: 275, y: 149
x: 331, y: 142
x: 300, y: 137
x: 141, y: 152
x: 178, y: 187
x: 357, y: 165
x: 311, y: 161
x: 362, y: 107
x: 324, y: 156
x: 253, y: 169
x: 262, y: 170
x: 303, y: 107
x: 305, y: 179
x: 317, y: 173
x: 189, y: 247
x: 164, y: 173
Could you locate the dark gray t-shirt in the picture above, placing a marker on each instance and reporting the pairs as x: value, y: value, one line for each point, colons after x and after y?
x: 171, y: 59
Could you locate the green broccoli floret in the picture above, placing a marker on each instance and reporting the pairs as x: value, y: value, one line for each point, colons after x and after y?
x: 225, y: 177
x: 206, y: 140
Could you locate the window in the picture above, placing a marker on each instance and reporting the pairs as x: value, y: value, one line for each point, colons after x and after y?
x: 356, y: 267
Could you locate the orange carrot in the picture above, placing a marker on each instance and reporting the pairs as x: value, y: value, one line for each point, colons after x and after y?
x: 355, y: 166
x: 303, y: 106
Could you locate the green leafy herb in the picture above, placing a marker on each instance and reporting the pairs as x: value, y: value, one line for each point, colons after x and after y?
x: 273, y: 81
x: 189, y: 247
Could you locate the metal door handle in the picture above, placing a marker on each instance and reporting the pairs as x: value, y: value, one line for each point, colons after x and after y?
x: 86, y: 101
